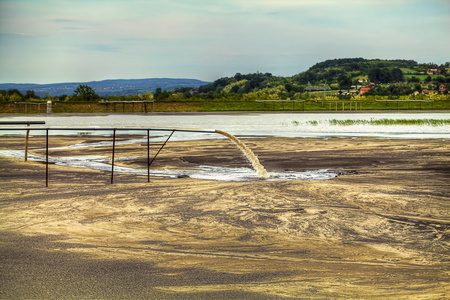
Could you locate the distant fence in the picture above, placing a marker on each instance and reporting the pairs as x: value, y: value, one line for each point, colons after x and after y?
x: 140, y: 105
x: 410, y: 103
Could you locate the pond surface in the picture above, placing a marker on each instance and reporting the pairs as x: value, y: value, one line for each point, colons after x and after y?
x: 254, y: 124
x: 242, y: 125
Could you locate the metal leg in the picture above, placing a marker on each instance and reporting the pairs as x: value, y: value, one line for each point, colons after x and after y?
x: 112, y: 159
x: 148, y: 155
x: 26, y: 143
x: 161, y: 147
x: 46, y: 158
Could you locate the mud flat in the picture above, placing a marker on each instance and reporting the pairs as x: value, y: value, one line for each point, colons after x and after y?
x: 379, y: 230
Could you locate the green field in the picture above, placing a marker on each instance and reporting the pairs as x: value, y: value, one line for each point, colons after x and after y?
x: 228, y: 106
x: 408, y: 71
x: 421, y: 77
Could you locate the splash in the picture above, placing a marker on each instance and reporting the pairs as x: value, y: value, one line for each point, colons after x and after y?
x: 248, y: 154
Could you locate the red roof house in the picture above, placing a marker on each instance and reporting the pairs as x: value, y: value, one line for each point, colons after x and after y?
x: 433, y: 71
x: 364, y: 90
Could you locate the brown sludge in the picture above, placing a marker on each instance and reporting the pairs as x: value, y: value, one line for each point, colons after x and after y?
x: 253, y: 160
x: 380, y: 230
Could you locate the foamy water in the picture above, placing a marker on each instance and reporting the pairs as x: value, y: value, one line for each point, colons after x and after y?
x: 204, y: 172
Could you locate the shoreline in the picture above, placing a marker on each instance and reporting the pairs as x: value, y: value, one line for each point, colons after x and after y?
x: 3, y: 115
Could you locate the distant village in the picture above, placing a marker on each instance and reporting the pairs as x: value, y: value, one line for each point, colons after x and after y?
x: 366, y: 86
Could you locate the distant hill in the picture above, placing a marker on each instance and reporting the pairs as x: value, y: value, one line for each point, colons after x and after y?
x: 333, y: 74
x: 346, y: 70
x: 105, y: 88
x: 336, y: 74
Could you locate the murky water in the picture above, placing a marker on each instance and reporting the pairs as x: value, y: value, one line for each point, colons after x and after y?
x: 254, y: 161
x: 254, y: 124
x: 281, y: 125
x: 202, y: 172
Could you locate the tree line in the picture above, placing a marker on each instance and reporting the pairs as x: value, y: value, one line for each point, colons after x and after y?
x: 337, y: 74
x: 86, y: 94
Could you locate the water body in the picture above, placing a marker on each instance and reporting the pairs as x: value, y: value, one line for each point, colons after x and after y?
x: 103, y: 163
x: 242, y: 125
x: 253, y: 124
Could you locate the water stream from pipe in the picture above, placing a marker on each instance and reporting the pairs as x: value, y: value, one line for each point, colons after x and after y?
x: 254, y: 161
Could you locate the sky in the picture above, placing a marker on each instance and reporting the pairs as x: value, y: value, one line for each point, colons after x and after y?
x: 50, y: 41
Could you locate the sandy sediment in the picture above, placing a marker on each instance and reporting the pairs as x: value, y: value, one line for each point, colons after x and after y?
x: 379, y: 230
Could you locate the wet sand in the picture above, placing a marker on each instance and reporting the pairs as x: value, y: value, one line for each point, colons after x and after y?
x: 380, y: 230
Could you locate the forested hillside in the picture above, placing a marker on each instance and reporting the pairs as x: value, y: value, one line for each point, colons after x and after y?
x: 344, y: 71
x: 337, y: 74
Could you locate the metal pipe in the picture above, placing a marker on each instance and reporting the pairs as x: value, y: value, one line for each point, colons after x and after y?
x: 21, y: 122
x: 109, y: 129
x: 148, y: 155
x: 47, y: 130
x: 162, y: 147
x: 46, y: 158
x: 26, y: 143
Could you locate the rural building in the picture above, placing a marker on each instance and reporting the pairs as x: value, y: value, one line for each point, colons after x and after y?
x: 433, y: 71
x: 364, y: 90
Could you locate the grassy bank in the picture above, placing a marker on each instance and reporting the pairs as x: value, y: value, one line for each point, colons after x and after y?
x: 214, y: 106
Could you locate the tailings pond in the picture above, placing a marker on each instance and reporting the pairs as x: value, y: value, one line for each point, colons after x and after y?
x: 303, y: 125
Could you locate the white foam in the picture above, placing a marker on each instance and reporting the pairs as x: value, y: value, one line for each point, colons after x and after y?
x: 202, y: 172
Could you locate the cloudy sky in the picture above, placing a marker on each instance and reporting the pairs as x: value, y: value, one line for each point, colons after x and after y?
x: 47, y: 41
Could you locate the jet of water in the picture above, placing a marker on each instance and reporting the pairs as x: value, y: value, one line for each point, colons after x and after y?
x: 248, y: 154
